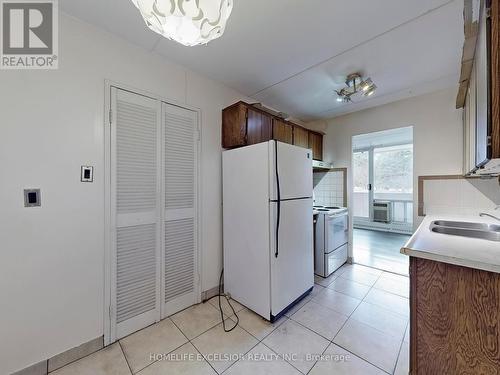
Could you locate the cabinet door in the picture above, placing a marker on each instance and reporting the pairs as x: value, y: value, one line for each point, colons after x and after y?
x: 282, y: 131
x: 258, y: 127
x: 300, y: 137
x: 316, y: 144
x: 234, y: 126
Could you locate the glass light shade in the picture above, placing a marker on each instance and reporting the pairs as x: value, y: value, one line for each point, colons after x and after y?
x: 189, y: 22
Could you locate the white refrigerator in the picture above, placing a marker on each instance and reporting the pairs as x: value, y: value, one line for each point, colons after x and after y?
x: 268, y: 226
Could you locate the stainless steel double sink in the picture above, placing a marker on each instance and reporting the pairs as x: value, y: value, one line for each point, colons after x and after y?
x: 484, y: 231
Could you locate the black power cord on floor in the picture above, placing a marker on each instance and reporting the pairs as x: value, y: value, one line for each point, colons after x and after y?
x: 220, y: 306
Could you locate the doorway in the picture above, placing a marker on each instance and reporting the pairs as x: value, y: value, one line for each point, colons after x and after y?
x: 382, y: 197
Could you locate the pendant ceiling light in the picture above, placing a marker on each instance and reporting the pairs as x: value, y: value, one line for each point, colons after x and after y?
x: 355, y: 84
x: 189, y: 22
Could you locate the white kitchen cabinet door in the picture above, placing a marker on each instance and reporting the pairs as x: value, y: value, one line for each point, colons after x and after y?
x: 179, y: 257
x: 135, y: 212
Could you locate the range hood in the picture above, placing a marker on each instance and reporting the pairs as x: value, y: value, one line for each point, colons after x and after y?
x: 321, y: 166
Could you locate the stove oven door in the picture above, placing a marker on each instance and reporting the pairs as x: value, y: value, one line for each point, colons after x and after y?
x: 336, y: 232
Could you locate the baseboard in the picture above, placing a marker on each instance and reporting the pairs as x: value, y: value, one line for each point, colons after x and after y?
x: 39, y: 368
x: 64, y: 358
x: 76, y: 353
x: 206, y: 295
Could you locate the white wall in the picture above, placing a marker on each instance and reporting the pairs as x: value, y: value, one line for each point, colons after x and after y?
x: 437, y: 128
x: 51, y: 122
x: 437, y: 134
x: 463, y: 197
x: 437, y: 147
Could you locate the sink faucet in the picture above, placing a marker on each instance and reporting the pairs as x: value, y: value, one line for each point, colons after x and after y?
x: 482, y: 214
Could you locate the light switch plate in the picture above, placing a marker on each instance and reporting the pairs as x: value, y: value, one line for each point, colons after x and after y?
x: 87, y: 174
x: 32, y: 198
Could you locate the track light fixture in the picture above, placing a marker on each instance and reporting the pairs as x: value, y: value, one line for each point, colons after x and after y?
x: 355, y: 84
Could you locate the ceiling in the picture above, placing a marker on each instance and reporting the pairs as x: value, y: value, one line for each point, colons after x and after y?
x: 292, y: 54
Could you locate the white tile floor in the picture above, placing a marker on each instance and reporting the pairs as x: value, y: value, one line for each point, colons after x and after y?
x: 354, y: 322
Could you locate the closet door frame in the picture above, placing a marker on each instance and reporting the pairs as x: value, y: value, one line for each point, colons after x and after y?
x: 109, y: 324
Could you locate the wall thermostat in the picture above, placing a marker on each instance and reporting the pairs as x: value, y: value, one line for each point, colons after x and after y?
x: 87, y: 174
x: 32, y: 198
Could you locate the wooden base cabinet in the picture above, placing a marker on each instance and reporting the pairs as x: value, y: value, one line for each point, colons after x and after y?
x: 244, y: 124
x: 454, y: 319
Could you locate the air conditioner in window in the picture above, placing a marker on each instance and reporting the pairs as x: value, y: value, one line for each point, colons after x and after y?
x: 382, y: 211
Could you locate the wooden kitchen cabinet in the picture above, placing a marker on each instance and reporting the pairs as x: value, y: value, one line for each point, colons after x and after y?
x: 234, y: 126
x: 454, y: 319
x: 300, y: 136
x: 316, y: 145
x: 259, y: 127
x: 244, y: 124
x: 282, y: 131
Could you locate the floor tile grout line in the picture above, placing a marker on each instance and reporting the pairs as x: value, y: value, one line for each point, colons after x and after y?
x: 310, y: 329
x: 205, y: 331
x: 125, y: 356
x: 399, y: 353
x: 152, y: 363
x: 238, y: 360
x: 267, y: 335
x: 195, y: 347
x: 350, y: 316
x: 283, y: 359
x: 363, y: 359
x: 332, y: 341
x: 198, y: 350
x: 192, y: 343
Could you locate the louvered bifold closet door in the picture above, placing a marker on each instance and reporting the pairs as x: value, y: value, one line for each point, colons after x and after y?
x: 135, y: 212
x: 180, y: 134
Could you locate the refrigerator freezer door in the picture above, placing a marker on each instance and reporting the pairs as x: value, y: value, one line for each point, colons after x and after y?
x: 292, y: 272
x: 294, y: 170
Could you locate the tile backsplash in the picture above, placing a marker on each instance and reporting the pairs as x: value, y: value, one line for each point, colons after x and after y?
x: 461, y: 196
x: 329, y: 188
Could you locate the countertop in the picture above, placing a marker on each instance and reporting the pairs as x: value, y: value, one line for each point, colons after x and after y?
x: 462, y: 251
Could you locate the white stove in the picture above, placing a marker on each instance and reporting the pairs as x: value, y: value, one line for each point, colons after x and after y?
x: 331, y: 238
x: 329, y: 210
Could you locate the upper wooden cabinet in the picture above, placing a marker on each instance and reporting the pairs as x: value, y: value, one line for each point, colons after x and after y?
x: 316, y: 145
x: 259, y: 127
x: 244, y: 124
x: 234, y: 126
x: 300, y: 136
x: 282, y: 131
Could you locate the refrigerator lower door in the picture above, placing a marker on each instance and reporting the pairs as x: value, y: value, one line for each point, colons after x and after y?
x: 335, y: 259
x: 292, y: 272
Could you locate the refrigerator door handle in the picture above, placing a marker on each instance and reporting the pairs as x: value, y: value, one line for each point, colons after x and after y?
x: 278, y: 196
